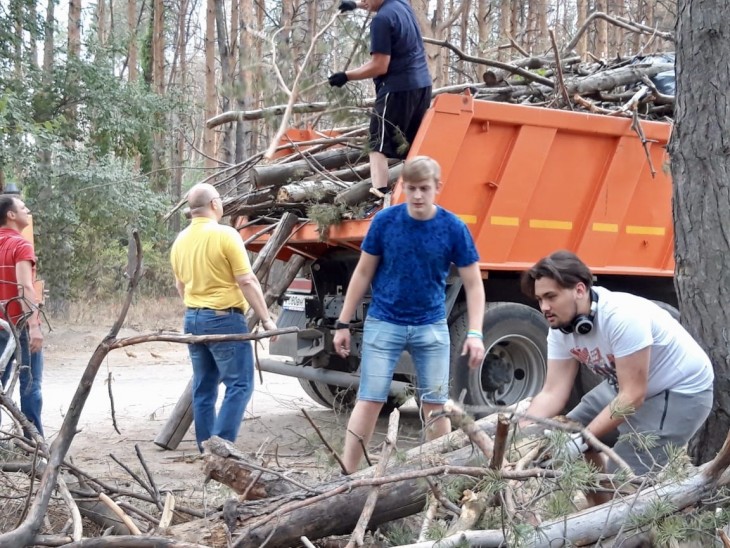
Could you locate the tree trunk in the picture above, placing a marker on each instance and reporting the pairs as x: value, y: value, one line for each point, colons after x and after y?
x: 505, y: 28
x: 227, y: 145
x: 700, y: 166
x: 102, y: 27
x: 211, y: 107
x: 582, y: 15
x: 48, y: 41
x: 132, y: 46
x: 601, y: 48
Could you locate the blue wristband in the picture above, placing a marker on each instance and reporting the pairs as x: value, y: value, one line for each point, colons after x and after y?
x: 474, y: 334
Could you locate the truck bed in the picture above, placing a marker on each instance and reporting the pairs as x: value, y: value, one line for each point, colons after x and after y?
x: 530, y: 180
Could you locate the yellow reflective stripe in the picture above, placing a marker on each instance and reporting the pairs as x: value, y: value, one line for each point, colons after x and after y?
x: 505, y: 221
x: 556, y: 225
x: 468, y: 219
x: 605, y: 227
x: 646, y: 230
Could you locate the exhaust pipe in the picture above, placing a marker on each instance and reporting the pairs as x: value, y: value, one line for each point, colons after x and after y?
x: 326, y: 376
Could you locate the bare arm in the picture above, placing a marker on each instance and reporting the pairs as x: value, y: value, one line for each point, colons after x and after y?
x: 251, y: 289
x: 180, y: 286
x: 474, y: 289
x: 471, y: 276
x: 633, y: 377
x: 376, y: 66
x: 24, y: 275
x: 555, y: 393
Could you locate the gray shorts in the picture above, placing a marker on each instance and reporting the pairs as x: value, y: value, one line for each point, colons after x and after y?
x: 672, y: 417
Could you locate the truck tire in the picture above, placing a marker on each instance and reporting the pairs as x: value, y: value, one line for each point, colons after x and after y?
x: 514, y: 367
x: 332, y: 397
x: 340, y: 399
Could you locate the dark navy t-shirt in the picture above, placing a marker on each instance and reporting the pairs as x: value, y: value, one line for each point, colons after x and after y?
x: 415, y: 256
x: 394, y: 31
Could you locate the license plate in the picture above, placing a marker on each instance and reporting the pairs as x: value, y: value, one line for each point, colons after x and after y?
x: 294, y: 302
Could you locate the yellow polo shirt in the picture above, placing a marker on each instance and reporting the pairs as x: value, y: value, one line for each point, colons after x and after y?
x: 207, y: 257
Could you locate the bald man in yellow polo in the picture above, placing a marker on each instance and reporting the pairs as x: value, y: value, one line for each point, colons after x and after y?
x: 214, y: 278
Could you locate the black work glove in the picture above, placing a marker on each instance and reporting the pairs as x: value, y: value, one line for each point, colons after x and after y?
x: 347, y: 5
x: 338, y: 79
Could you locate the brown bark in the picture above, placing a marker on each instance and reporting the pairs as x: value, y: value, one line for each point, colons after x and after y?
x: 48, y: 41
x: 360, y: 192
x: 505, y: 27
x: 601, y: 47
x: 158, y: 47
x: 132, y: 46
x: 211, y: 106
x: 700, y: 165
x: 582, y: 9
x: 278, y: 175
x: 227, y: 146
x: 102, y: 27
x: 74, y: 28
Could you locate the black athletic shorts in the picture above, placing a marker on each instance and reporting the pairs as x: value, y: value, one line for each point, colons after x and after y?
x: 396, y: 119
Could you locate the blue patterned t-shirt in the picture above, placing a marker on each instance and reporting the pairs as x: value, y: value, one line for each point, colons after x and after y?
x: 409, y: 285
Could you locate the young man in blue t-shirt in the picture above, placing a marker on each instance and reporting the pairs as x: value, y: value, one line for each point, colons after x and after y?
x: 399, y: 69
x: 406, y: 256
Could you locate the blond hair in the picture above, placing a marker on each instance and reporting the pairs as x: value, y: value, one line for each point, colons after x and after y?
x: 421, y: 168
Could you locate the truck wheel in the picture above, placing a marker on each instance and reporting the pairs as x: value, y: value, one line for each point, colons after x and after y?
x: 514, y: 367
x: 327, y: 395
x: 342, y: 400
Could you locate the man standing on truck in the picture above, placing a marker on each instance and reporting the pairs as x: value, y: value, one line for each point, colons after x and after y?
x: 20, y: 305
x: 658, y: 381
x: 399, y: 69
x: 214, y: 279
x: 406, y: 255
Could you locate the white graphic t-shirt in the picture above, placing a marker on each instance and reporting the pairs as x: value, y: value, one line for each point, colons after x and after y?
x: 624, y: 324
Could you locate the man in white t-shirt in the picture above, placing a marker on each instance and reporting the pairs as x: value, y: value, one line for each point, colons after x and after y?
x: 651, y: 365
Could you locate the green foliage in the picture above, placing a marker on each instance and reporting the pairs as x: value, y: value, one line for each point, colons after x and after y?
x: 398, y: 533
x: 84, y: 211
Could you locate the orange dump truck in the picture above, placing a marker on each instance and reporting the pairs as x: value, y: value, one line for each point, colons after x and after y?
x: 527, y: 181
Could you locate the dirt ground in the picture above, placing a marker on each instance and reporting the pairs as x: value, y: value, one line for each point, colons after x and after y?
x: 146, y: 382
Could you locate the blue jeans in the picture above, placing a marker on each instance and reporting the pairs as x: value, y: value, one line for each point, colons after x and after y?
x: 382, y: 345
x: 230, y: 363
x: 31, y: 398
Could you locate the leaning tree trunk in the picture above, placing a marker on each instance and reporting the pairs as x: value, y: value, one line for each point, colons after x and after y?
x: 701, y: 173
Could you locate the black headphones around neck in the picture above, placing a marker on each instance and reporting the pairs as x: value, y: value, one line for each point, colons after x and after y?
x: 582, y: 324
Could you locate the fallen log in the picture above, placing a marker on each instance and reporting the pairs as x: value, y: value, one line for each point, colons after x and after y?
x: 360, y: 192
x: 614, y: 517
x: 322, y: 190
x: 227, y: 465
x: 325, y: 515
x: 280, y: 174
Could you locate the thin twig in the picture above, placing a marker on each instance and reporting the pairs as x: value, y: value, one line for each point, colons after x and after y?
x: 111, y: 402
x: 325, y: 442
x: 295, y: 89
x: 155, y: 491
x: 559, y: 71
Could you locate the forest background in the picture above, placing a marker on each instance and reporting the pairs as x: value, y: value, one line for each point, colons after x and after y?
x: 103, y: 105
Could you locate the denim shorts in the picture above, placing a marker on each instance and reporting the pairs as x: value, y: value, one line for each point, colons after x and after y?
x: 382, y: 345
x: 669, y: 417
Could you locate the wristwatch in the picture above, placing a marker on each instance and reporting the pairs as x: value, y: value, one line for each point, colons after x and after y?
x: 341, y: 325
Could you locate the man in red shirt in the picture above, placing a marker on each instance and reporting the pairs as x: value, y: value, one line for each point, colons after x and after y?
x: 19, y: 305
